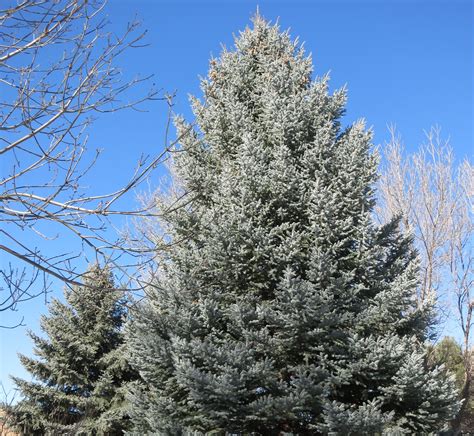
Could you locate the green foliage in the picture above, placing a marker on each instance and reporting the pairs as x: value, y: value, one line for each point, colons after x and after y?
x: 80, y: 372
x: 448, y: 352
x: 281, y: 307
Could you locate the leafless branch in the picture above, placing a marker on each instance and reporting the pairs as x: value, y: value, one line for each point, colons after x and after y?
x: 57, y: 72
x: 434, y: 196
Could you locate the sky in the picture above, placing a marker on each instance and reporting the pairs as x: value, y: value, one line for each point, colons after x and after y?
x: 407, y: 63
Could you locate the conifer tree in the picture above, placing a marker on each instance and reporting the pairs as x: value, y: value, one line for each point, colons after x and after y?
x: 280, y: 307
x: 80, y: 372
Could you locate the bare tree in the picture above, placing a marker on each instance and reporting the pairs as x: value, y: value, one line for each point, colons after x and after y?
x: 57, y: 72
x: 434, y: 196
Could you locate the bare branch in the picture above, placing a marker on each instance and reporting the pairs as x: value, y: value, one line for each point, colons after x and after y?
x: 435, y: 197
x: 57, y: 71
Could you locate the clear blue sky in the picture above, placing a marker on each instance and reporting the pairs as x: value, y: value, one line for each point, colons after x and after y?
x: 405, y: 62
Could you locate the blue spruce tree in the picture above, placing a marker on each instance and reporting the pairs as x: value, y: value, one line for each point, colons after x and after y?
x: 280, y: 307
x: 80, y: 371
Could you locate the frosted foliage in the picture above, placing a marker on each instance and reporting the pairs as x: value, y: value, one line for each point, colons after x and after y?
x: 281, y: 308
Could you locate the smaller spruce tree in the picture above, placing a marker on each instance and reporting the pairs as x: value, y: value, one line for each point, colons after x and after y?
x: 80, y: 375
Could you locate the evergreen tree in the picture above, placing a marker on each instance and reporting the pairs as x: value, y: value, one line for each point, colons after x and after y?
x: 79, y: 377
x: 280, y: 306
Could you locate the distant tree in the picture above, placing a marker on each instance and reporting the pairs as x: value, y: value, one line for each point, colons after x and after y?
x: 449, y: 353
x: 279, y: 306
x: 80, y: 374
x: 435, y: 197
